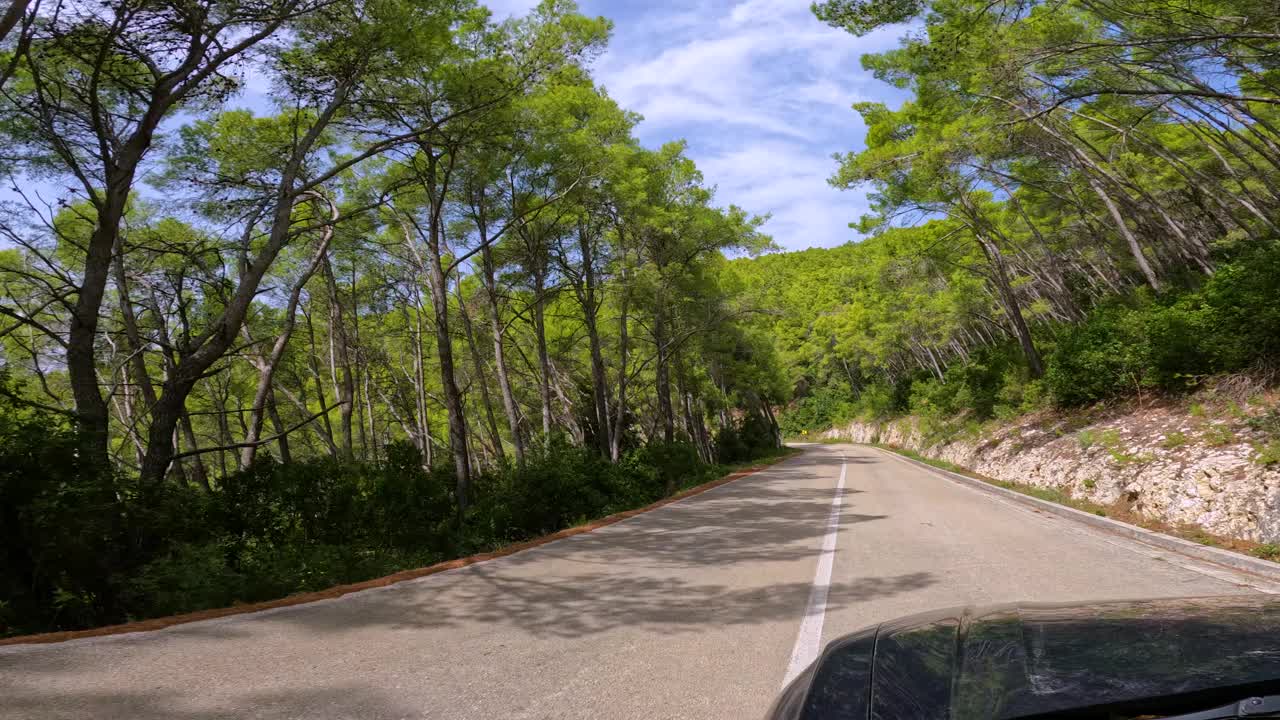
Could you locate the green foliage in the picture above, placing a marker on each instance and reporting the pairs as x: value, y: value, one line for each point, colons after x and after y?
x: 1171, y: 343
x: 86, y: 548
x: 1268, y: 454
x: 1268, y: 422
x: 1110, y: 439
x: 863, y: 16
x: 826, y: 408
x: 1174, y: 440
x: 1218, y: 435
x: 1267, y: 551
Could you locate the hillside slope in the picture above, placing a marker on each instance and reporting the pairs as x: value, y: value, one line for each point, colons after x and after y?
x: 1205, y: 462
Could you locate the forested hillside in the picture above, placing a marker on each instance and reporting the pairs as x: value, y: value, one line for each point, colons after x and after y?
x: 435, y: 298
x: 1079, y: 202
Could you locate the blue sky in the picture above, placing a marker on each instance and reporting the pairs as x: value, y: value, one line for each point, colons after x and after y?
x: 760, y: 89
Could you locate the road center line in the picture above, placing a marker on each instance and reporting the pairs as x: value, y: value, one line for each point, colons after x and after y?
x: 809, y: 640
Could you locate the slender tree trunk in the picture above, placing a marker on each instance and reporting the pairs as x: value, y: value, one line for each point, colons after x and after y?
x: 544, y: 362
x: 491, y: 422
x: 314, y: 362
x: 773, y: 421
x: 197, y: 465
x: 509, y: 406
x: 624, y: 349
x: 437, y: 285
x: 277, y: 425
x: 590, y: 313
x: 10, y: 17
x: 448, y: 378
x: 1010, y: 300
x: 420, y: 387
x: 263, y: 396
x: 663, y: 373
x: 92, y: 412
x: 340, y: 362
x: 1135, y: 248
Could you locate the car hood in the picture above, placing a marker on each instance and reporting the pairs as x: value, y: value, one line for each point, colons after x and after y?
x: 1015, y: 661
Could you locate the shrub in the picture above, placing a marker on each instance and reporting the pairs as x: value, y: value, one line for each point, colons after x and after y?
x: 878, y: 401
x: 1267, y: 455
x: 749, y: 437
x: 1087, y: 438
x: 825, y: 408
x: 1097, y: 359
x: 667, y: 463
x: 86, y: 546
x: 1172, y: 342
x: 1218, y: 435
x: 185, y: 577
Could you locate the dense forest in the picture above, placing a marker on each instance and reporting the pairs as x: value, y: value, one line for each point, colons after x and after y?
x: 1079, y: 202
x: 435, y: 298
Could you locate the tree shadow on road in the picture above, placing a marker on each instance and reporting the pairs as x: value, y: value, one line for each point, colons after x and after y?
x: 588, y: 604
x: 739, y: 555
x: 712, y: 560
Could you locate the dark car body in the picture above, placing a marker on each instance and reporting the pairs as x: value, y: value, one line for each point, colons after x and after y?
x: 1132, y: 658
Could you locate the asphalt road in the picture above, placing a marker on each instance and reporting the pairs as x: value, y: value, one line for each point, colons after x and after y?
x: 695, y: 610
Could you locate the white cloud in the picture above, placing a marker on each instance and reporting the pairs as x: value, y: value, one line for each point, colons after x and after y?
x: 503, y: 9
x: 783, y: 180
x: 761, y: 89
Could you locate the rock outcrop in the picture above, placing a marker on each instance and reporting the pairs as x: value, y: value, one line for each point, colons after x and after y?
x: 1161, y: 463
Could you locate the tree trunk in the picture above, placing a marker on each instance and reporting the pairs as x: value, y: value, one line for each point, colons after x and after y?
x: 663, y: 374
x: 313, y: 359
x: 590, y: 312
x: 1010, y: 300
x: 1135, y: 248
x: 263, y: 394
x: 340, y: 363
x: 491, y: 422
x: 92, y: 412
x: 9, y: 19
x: 624, y: 348
x: 544, y: 362
x: 277, y: 424
x: 197, y: 465
x: 499, y: 354
x: 437, y: 286
x: 448, y: 380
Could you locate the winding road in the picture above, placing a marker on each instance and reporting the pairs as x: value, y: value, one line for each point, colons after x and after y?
x: 698, y: 609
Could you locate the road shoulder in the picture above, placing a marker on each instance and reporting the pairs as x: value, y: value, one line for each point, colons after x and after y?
x: 1268, y: 573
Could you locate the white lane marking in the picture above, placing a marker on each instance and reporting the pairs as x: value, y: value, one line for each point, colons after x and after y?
x: 809, y: 640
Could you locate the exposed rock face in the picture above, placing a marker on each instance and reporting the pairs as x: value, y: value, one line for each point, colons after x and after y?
x: 1160, y: 462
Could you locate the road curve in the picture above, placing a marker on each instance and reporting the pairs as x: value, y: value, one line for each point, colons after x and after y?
x: 694, y: 610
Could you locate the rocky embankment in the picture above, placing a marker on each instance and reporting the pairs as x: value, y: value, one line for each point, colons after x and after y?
x: 1209, y: 465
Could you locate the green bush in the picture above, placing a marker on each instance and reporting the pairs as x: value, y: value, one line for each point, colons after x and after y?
x: 1170, y: 343
x: 1099, y: 358
x: 86, y: 546
x: 666, y: 463
x: 825, y: 408
x: 748, y: 438
x: 879, y: 401
x: 69, y: 531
